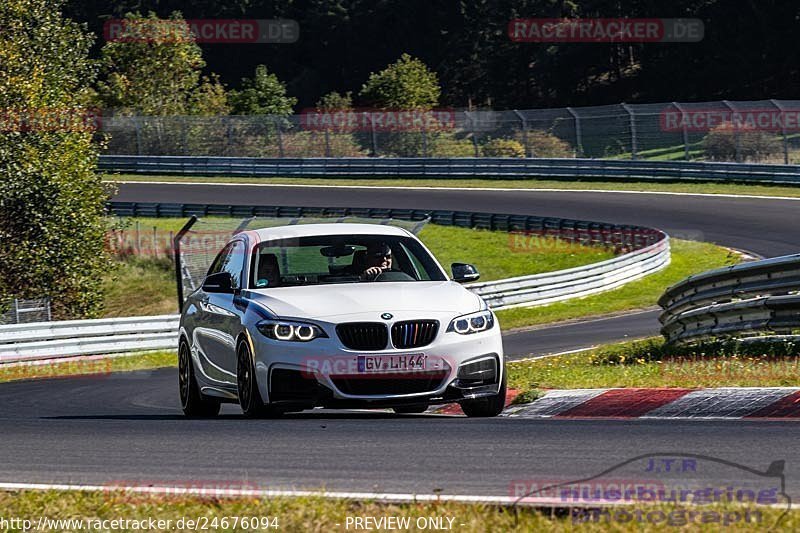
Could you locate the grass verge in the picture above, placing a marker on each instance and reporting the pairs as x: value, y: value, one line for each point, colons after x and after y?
x: 688, y: 257
x: 651, y: 363
x: 696, y: 187
x: 318, y: 514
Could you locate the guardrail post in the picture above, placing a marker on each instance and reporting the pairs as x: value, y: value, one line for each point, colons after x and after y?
x: 524, y: 133
x: 578, y: 132
x: 632, y: 122
x: 684, y: 119
x: 783, y: 131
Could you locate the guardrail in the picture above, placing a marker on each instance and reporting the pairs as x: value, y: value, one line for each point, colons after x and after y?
x: 499, y: 168
x: 752, y: 300
x: 542, y: 289
x: 67, y: 338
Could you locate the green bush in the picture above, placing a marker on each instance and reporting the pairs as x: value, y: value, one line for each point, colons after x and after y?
x: 754, y: 145
x: 544, y: 144
x: 503, y: 148
x: 448, y: 145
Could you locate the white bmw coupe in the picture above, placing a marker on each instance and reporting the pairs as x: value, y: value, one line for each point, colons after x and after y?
x: 338, y: 316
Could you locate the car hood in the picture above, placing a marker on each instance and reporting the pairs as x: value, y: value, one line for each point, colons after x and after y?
x: 325, y: 301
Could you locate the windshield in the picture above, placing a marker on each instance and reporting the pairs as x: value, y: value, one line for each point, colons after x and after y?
x: 329, y: 259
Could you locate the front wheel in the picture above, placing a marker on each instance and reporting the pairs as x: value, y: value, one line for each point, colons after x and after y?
x: 247, y: 387
x: 489, y: 406
x: 193, y: 403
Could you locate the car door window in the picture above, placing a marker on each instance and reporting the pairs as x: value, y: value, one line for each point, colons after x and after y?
x: 230, y: 260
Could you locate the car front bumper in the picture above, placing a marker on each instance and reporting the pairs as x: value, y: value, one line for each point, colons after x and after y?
x: 325, y: 373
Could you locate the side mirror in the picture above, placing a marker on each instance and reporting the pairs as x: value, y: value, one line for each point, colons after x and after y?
x: 463, y: 272
x: 221, y: 282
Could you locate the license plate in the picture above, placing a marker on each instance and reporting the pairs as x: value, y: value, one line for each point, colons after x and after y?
x: 392, y: 363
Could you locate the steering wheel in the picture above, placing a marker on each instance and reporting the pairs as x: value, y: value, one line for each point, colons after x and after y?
x: 393, y: 275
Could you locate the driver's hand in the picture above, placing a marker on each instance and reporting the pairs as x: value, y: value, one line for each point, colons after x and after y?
x: 373, y: 271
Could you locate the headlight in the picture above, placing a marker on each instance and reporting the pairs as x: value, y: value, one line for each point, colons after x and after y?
x: 284, y: 330
x: 472, y: 323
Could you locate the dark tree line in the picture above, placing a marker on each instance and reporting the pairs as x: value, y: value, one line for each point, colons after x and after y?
x: 750, y: 50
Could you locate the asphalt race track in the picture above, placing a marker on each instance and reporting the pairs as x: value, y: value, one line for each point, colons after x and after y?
x: 127, y: 428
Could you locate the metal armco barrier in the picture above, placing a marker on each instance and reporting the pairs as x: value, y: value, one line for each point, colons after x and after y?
x: 68, y: 338
x: 499, y: 168
x: 753, y: 300
x: 542, y: 289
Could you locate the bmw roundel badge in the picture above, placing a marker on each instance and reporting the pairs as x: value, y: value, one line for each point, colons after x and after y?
x: 387, y: 316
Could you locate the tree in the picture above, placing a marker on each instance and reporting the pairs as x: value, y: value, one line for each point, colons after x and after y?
x: 405, y: 84
x: 52, y: 203
x: 334, y: 101
x: 264, y: 94
x: 153, y: 67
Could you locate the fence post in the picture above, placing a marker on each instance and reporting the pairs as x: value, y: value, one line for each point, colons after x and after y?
x: 735, y: 131
x: 137, y: 237
x: 783, y: 131
x: 528, y: 152
x: 16, y: 310
x: 685, y: 130
x: 374, y: 135
x: 49, y: 312
x: 280, y: 136
x: 578, y: 132
x: 228, y: 136
x: 632, y: 122
x: 472, y: 130
x: 138, y: 127
x: 327, y: 143
x: 155, y: 242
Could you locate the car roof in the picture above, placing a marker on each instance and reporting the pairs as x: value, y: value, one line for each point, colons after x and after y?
x: 310, y: 230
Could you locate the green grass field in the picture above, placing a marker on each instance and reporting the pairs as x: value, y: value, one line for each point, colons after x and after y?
x: 650, y: 364
x: 698, y: 187
x: 688, y: 258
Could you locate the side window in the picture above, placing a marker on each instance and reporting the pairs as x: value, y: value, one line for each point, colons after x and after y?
x: 231, y: 260
x: 219, y: 262
x: 235, y: 263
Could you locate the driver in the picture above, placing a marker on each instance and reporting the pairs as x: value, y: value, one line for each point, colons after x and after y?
x: 378, y: 260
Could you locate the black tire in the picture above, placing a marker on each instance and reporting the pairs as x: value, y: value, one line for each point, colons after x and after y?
x: 410, y: 409
x: 247, y: 387
x: 489, y: 406
x: 193, y: 403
